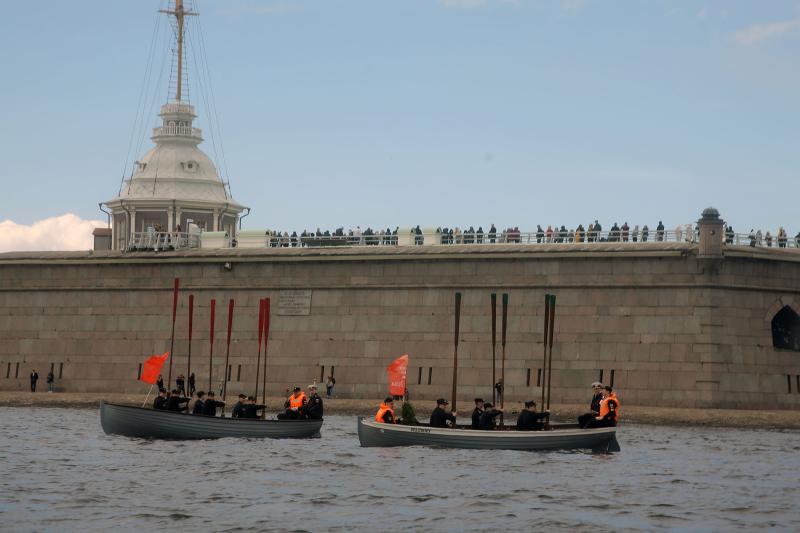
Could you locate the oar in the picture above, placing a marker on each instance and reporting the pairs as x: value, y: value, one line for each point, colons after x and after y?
x: 494, y: 343
x: 266, y: 340
x: 502, y: 391
x: 227, y: 354
x: 172, y: 338
x: 544, y: 345
x: 260, y: 333
x: 211, y: 337
x: 189, y: 369
x: 550, y: 342
x: 455, y: 352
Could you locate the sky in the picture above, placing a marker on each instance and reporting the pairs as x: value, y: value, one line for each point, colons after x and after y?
x: 403, y: 112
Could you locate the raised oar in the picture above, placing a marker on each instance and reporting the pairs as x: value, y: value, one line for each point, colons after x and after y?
x: 266, y: 340
x: 172, y: 339
x: 211, y: 341
x: 189, y: 364
x: 227, y: 353
x: 550, y: 342
x: 494, y: 343
x: 260, y: 333
x: 502, y: 390
x: 544, y: 345
x: 455, y: 352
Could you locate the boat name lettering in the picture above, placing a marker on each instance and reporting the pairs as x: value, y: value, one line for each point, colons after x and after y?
x: 420, y: 430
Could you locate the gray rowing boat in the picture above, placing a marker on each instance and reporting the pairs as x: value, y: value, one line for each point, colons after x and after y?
x: 372, y: 433
x: 156, y: 424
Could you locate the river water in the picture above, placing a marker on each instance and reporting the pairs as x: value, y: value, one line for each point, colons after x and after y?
x: 60, y: 472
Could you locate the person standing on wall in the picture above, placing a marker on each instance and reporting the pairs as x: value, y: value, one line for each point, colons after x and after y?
x: 50, y: 380
x: 34, y: 379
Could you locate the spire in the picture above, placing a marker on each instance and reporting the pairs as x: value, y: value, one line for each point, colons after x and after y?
x: 179, y: 12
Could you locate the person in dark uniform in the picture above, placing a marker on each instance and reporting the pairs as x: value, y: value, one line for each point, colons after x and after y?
x: 191, y: 384
x: 529, y: 419
x: 251, y: 408
x: 34, y: 379
x: 313, y: 407
x: 175, y: 402
x: 441, y: 418
x: 238, y: 407
x: 594, y: 407
x: 161, y: 400
x: 180, y: 384
x: 197, y: 409
x: 488, y: 416
x: 476, y: 413
x: 210, y: 405
x: 160, y: 382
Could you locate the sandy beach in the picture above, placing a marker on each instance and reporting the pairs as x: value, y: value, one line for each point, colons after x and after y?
x: 775, y: 419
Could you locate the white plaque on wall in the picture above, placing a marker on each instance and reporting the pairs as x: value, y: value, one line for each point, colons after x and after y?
x: 294, y: 302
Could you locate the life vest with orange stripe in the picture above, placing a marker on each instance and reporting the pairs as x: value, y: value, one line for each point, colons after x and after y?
x: 296, y: 401
x: 382, y: 412
x: 609, y: 408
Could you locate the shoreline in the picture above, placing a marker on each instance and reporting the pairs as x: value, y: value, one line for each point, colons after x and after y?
x: 732, y: 418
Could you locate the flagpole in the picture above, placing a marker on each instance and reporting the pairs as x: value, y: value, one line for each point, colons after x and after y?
x: 148, y: 394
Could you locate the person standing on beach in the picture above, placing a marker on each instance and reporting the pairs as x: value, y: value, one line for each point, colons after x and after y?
x: 160, y: 382
x: 180, y: 384
x: 34, y: 379
x: 191, y: 384
x: 329, y: 386
x: 199, y: 403
x: 50, y: 379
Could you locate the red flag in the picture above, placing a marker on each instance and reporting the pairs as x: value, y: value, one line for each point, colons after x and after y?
x: 397, y: 372
x: 152, y: 367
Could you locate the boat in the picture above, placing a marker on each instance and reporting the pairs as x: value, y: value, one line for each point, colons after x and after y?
x: 377, y: 434
x: 149, y: 423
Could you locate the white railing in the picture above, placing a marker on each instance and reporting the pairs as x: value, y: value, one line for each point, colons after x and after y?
x: 153, y: 241
x: 184, y: 131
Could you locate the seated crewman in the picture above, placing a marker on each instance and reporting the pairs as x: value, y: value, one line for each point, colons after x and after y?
x: 385, y: 413
x: 251, y: 408
x: 211, y: 404
x: 197, y: 409
x: 488, y: 416
x: 312, y: 410
x: 161, y: 400
x: 176, y: 402
x: 441, y: 418
x: 529, y: 419
x: 238, y: 407
x: 476, y: 413
x: 609, y: 410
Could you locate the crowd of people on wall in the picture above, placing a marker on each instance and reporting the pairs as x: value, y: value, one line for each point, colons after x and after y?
x: 555, y: 234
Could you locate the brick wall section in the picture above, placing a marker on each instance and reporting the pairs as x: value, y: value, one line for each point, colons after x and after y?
x: 676, y: 330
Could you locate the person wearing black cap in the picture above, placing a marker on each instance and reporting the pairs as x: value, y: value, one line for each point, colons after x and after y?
x: 238, y: 407
x: 488, y: 416
x: 175, y: 402
x: 293, y: 404
x: 161, y: 400
x: 529, y: 419
x: 251, y: 408
x: 440, y: 418
x: 211, y: 404
x: 197, y: 409
x: 476, y: 414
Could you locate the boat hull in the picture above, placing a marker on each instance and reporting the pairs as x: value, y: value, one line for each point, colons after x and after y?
x: 372, y: 433
x: 156, y: 424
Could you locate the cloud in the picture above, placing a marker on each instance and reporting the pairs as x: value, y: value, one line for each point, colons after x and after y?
x: 761, y: 32
x: 65, y: 232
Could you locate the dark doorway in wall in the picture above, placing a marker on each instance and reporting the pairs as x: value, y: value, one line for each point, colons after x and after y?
x: 786, y: 330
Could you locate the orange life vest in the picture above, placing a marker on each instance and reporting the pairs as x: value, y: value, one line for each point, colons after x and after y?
x: 297, y: 401
x: 613, y: 409
x: 382, y: 411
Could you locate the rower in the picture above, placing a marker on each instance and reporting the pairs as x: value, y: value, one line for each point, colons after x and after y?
x: 238, y: 407
x: 488, y: 416
x: 609, y: 410
x: 594, y: 407
x: 198, y: 403
x: 175, y: 402
x: 161, y: 400
x: 529, y: 419
x: 386, y: 412
x: 476, y: 413
x: 441, y: 418
x: 251, y: 409
x: 312, y: 410
x: 293, y: 405
x: 211, y: 404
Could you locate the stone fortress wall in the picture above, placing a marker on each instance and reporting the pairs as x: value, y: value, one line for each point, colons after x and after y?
x: 668, y: 323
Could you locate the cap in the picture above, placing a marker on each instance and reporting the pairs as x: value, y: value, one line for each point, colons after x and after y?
x: 597, y: 384
x: 441, y: 401
x: 297, y: 389
x: 530, y: 403
x: 478, y: 400
x: 388, y: 399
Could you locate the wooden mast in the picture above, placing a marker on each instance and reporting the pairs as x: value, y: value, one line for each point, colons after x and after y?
x: 179, y: 13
